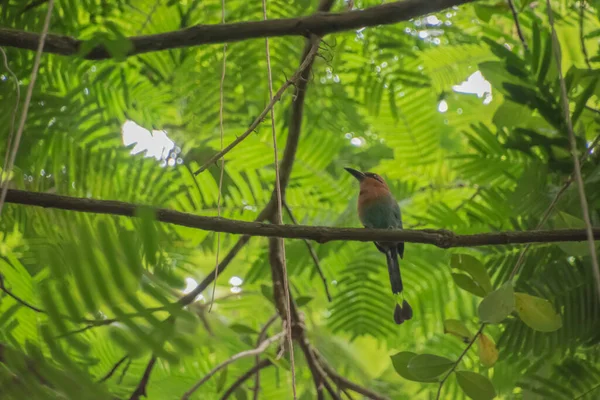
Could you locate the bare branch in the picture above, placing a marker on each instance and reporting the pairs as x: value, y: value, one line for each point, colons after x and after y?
x: 247, y: 353
x: 319, y: 24
x: 312, y: 252
x: 577, y: 165
x: 345, y: 383
x: 18, y: 299
x: 140, y: 390
x: 582, y: 6
x: 441, y: 238
x: 113, y: 369
x: 292, y: 81
x: 243, y: 378
x: 515, y: 15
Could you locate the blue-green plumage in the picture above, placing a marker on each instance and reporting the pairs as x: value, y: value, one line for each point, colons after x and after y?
x: 378, y: 209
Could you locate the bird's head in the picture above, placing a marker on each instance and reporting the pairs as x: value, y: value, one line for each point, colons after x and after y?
x: 368, y: 179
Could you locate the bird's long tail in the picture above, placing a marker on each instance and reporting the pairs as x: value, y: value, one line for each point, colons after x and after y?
x: 402, y: 312
x: 394, y: 270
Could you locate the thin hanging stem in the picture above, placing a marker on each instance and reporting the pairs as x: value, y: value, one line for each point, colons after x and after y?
x: 577, y: 165
x: 221, y: 103
x: 279, y: 214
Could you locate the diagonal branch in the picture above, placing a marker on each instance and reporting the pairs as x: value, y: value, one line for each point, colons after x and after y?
x: 515, y: 15
x: 247, y: 375
x: 319, y: 24
x: 247, y: 353
x: 345, y: 383
x: 140, y: 390
x: 292, y: 81
x: 321, y: 234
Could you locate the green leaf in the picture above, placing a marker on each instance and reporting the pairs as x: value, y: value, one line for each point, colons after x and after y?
x: 567, y: 221
x: 400, y: 362
x: 267, y: 291
x: 488, y: 352
x: 222, y: 380
x: 303, y: 300
x: 467, y: 283
x: 240, y: 394
x: 148, y: 232
x: 476, y: 386
x: 428, y: 366
x: 243, y: 329
x: 458, y: 329
x: 583, y: 99
x: 537, y: 313
x: 474, y: 268
x: 497, y: 305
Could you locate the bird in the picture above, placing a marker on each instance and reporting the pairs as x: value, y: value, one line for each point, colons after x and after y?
x: 377, y: 208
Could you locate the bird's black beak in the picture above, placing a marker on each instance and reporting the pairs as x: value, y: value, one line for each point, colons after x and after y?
x: 357, y: 174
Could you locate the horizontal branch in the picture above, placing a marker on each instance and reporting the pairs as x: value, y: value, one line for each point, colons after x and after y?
x: 319, y: 24
x: 321, y: 234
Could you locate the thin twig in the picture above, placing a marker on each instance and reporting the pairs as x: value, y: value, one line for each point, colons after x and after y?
x: 238, y: 382
x: 261, y: 337
x: 576, y: 163
x: 221, y: 130
x: 515, y: 15
x: 11, y: 132
x: 582, y: 395
x: 311, y: 251
x: 292, y: 81
x: 247, y: 353
x: 582, y: 6
x: 113, y: 369
x: 17, y: 298
x: 439, y: 392
x: 149, y: 17
x: 140, y: 390
x: 279, y: 213
x: 28, y: 95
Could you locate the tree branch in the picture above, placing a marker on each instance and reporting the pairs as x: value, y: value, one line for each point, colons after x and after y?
x: 321, y: 234
x: 345, y: 383
x: 515, y: 15
x: 292, y: 81
x: 243, y: 378
x: 247, y: 353
x: 113, y: 369
x: 140, y: 390
x: 319, y: 24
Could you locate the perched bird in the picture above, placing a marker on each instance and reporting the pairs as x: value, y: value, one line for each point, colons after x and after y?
x: 378, y: 209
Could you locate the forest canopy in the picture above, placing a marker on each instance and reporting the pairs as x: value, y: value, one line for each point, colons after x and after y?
x: 175, y: 209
